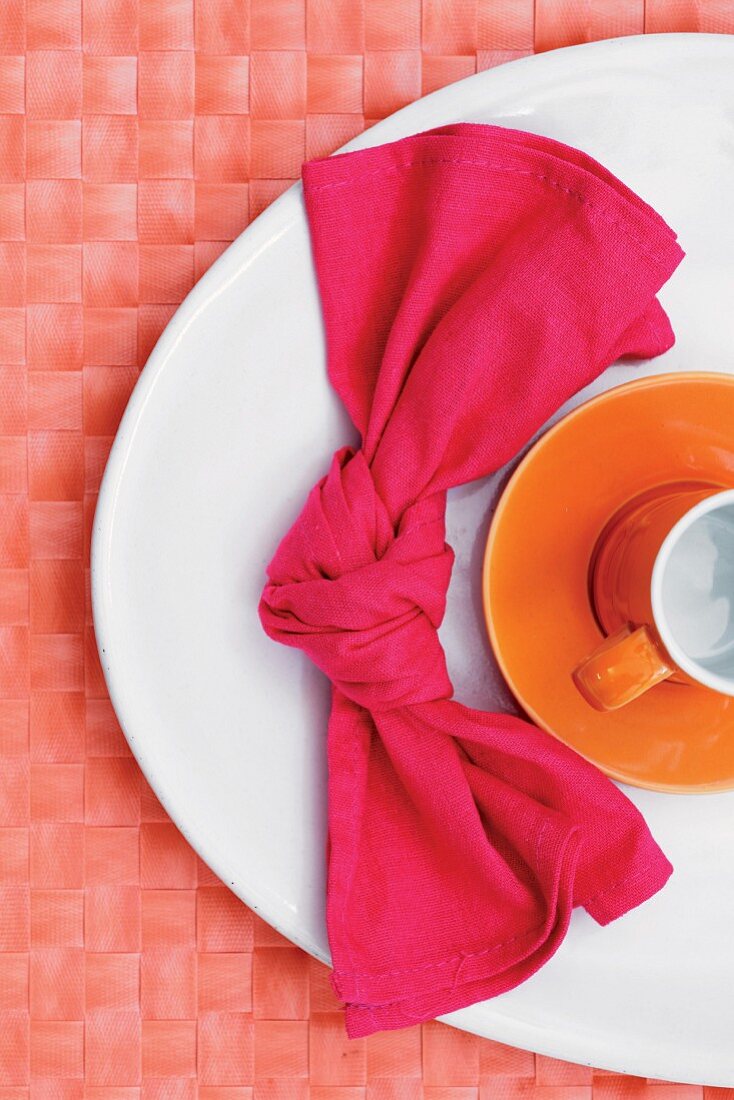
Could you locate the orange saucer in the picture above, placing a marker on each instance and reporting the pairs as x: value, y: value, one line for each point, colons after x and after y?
x: 668, y: 428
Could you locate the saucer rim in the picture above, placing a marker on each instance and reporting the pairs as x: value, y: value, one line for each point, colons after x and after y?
x: 655, y: 381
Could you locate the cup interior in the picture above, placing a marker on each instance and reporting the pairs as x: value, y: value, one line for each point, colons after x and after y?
x: 695, y: 592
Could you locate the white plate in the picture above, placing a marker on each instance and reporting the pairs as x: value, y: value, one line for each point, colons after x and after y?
x: 228, y: 428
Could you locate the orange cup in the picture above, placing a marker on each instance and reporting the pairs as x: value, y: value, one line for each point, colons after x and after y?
x: 661, y: 587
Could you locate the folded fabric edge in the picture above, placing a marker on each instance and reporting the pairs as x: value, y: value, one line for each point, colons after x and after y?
x: 559, y: 166
x: 635, y: 888
x: 375, y: 1002
x: 363, y: 1020
x: 478, y: 976
x: 447, y: 996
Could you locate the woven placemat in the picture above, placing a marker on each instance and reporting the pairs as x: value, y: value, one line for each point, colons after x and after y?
x: 137, y: 138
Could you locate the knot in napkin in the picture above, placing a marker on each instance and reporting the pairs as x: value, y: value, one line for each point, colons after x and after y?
x: 472, y: 279
x: 361, y: 599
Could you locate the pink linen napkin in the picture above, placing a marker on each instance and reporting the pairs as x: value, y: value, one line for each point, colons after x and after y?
x: 472, y: 279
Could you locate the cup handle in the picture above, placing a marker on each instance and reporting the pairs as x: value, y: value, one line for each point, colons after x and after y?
x: 624, y: 666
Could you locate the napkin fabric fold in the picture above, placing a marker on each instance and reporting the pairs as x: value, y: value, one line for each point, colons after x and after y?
x: 472, y: 279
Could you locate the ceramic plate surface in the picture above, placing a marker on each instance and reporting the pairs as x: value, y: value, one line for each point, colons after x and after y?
x: 230, y: 425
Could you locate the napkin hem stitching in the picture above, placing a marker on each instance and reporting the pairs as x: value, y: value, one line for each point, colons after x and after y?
x: 582, y: 199
x: 446, y: 962
x: 632, y: 877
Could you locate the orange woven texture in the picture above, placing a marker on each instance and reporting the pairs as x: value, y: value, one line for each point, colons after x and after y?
x: 137, y: 138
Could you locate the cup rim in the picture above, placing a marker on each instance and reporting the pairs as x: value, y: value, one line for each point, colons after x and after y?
x: 722, y: 684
